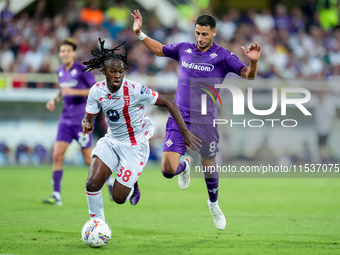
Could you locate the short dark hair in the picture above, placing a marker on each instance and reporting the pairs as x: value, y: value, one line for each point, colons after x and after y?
x: 71, y: 42
x: 206, y: 20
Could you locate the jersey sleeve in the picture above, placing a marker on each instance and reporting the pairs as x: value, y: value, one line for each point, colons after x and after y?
x: 93, y: 105
x: 145, y: 95
x: 171, y: 51
x: 88, y: 79
x: 232, y: 63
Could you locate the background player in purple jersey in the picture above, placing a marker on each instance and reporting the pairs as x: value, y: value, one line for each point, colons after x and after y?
x: 203, y: 59
x: 74, y: 89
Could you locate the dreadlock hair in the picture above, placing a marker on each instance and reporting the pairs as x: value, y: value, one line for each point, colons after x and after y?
x: 102, y: 55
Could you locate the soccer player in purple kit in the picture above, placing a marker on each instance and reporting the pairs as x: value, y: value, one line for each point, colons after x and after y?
x: 74, y: 89
x: 203, y: 59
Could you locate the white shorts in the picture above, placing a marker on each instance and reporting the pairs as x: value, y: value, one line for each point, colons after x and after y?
x: 127, y: 159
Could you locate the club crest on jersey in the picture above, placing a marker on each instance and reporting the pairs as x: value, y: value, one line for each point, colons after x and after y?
x: 169, y: 143
x: 213, y: 55
x: 74, y: 72
x: 188, y: 51
x: 127, y: 100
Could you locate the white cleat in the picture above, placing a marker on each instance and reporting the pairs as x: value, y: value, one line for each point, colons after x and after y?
x: 218, y: 217
x: 184, y: 177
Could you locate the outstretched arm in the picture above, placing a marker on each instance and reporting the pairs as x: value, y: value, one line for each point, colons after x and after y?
x: 190, y: 139
x: 153, y: 45
x: 87, y: 123
x: 253, y: 53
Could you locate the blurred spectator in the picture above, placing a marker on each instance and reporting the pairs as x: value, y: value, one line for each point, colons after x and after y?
x: 324, y: 114
x: 6, y: 16
x: 92, y: 15
x: 60, y: 27
x: 166, y: 79
x: 264, y: 153
x: 112, y: 27
x: 39, y: 155
x: 33, y: 58
x: 328, y: 13
x: 6, y: 55
x: 227, y: 26
x: 72, y: 15
x: 39, y: 12
x: 264, y: 21
x: 281, y: 17
x: 119, y: 14
x: 4, y: 154
x: 2, y: 79
x: 23, y: 154
x: 309, y: 8
x: 297, y: 21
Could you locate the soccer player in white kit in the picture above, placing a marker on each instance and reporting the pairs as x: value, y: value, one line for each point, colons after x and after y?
x: 125, y: 147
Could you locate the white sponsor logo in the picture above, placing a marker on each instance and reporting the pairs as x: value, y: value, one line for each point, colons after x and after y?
x: 198, y: 66
x: 68, y: 84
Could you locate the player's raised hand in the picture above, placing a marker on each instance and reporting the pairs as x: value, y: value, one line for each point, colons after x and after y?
x: 192, y: 141
x: 87, y: 126
x: 51, y: 105
x: 138, y: 21
x: 253, y: 52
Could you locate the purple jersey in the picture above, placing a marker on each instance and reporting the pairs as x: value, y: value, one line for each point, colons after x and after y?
x: 74, y: 106
x: 212, y: 65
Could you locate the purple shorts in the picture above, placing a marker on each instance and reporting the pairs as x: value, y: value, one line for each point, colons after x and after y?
x: 67, y: 133
x: 207, y: 133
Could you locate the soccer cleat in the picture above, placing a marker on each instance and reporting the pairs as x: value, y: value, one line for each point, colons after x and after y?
x: 218, y: 217
x: 134, y: 199
x: 184, y: 177
x: 52, y: 200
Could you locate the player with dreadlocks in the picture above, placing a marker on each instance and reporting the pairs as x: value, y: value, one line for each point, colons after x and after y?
x: 125, y: 147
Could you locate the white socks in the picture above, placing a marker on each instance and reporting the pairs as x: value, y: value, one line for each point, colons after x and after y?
x: 56, y: 194
x: 212, y: 204
x: 96, y: 204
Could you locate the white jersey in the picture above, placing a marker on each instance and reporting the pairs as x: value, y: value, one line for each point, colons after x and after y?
x: 124, y: 110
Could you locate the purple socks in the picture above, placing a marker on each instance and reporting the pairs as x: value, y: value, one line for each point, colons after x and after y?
x: 211, y: 180
x: 56, y: 180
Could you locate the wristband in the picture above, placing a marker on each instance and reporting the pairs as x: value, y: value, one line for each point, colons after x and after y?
x: 141, y: 36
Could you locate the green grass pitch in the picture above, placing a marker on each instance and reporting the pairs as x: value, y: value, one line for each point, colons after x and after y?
x: 264, y: 216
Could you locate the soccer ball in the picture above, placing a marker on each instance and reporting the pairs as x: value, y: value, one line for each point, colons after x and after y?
x: 96, y: 233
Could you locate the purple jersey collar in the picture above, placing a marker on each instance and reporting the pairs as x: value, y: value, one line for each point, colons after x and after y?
x: 210, y: 49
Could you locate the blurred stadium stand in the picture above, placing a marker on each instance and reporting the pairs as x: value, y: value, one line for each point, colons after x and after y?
x: 297, y: 49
